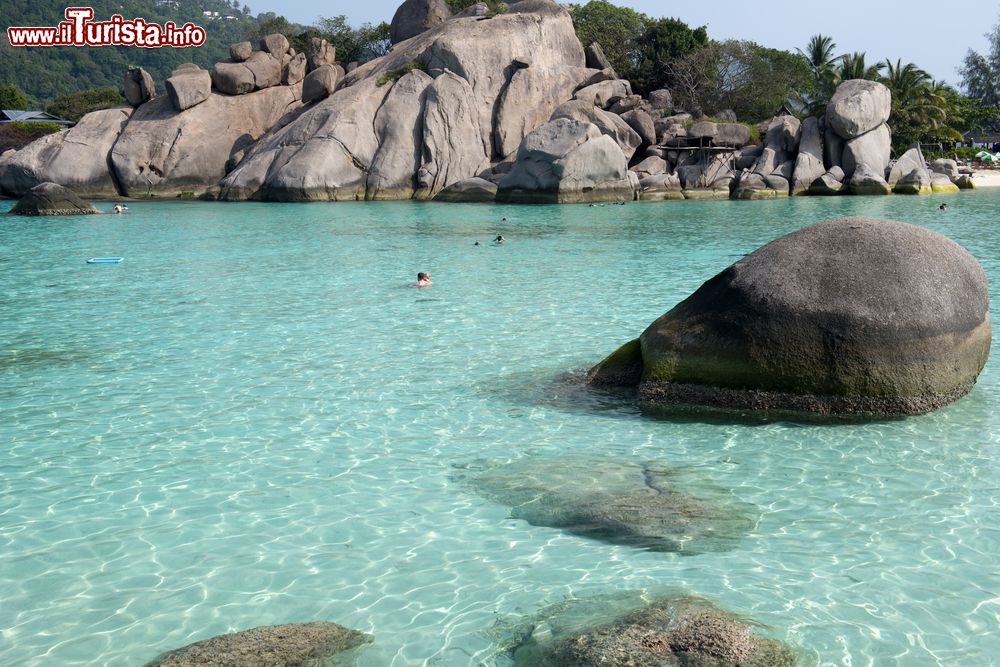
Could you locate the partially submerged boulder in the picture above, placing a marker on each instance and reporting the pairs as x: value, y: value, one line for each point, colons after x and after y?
x: 674, y: 631
x: 473, y: 190
x: 289, y: 645
x: 634, y: 503
x: 909, y: 175
x: 848, y: 316
x: 51, y: 199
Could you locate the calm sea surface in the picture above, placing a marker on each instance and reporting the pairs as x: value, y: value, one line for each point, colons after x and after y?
x: 255, y: 419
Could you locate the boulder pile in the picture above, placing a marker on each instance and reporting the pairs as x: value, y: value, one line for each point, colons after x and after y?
x: 472, y: 95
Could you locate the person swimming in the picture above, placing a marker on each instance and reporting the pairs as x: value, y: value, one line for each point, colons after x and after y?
x: 943, y: 207
x: 499, y: 239
x: 423, y: 279
x: 118, y: 208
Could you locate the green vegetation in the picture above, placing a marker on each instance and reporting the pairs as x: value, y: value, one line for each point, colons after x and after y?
x: 640, y: 48
x: 12, y: 98
x: 75, y: 105
x: 396, y: 74
x: 981, y: 72
x: 19, y: 134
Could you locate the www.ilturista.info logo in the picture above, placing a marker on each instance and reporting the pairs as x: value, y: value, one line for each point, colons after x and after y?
x: 79, y: 30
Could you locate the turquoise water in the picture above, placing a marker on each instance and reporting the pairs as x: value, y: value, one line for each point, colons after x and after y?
x: 255, y: 419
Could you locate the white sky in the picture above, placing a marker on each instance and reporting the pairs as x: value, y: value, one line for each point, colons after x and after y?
x: 934, y: 35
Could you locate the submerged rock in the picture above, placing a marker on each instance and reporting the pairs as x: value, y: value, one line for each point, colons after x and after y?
x: 618, y: 502
x: 681, y: 631
x: 849, y: 316
x: 290, y: 645
x: 51, y: 199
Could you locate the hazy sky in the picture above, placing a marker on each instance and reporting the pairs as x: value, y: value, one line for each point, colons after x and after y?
x: 934, y: 35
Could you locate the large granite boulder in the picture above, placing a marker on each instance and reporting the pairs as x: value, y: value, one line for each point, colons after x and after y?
x: 290, y: 645
x: 475, y: 190
x: 872, y: 149
x: 319, y: 52
x: 51, y: 199
x: 673, y: 631
x: 639, y: 504
x: 76, y: 158
x: 529, y: 100
x: 138, y: 86
x: 858, y: 106
x: 240, y: 51
x: 830, y: 183
x: 188, y: 86
x: 164, y: 153
x: 596, y: 58
x: 865, y: 181
x: 274, y: 44
x: 327, y: 151
x: 661, y: 100
x: 661, y: 187
x: 642, y: 124
x: 809, y: 162
x: 567, y: 160
x: 604, y: 93
x: 232, y: 78
x: 852, y: 315
x: 610, y: 124
x: 399, y: 127
x: 320, y: 83
x: 909, y: 174
x: 294, y: 70
x: 945, y: 166
x: 416, y: 16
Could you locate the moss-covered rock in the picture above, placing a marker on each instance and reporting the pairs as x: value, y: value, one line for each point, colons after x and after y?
x: 679, y: 631
x: 850, y: 316
x: 291, y: 645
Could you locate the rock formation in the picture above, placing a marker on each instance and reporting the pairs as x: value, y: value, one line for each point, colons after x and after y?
x: 138, y: 86
x: 51, y: 199
x: 416, y: 16
x: 638, y: 504
x: 276, y: 645
x: 667, y: 632
x: 853, y: 315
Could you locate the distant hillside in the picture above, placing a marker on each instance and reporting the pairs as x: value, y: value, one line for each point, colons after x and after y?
x: 43, y: 73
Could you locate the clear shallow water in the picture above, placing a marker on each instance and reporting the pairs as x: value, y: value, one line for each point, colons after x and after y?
x: 254, y: 419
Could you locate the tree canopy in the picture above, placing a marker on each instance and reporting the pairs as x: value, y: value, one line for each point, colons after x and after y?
x: 11, y: 97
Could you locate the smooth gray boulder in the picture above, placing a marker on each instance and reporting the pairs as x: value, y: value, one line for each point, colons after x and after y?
x: 240, y: 51
x: 266, y: 69
x: 610, y: 124
x: 138, y: 86
x: 529, y: 100
x: 417, y: 16
x: 703, y: 129
x: 232, y: 78
x: 833, y: 148
x: 290, y: 645
x: 76, y: 158
x: 830, y: 183
x: 596, y: 58
x: 164, y: 153
x: 783, y: 134
x: 872, y: 149
x: 567, y: 160
x: 399, y: 126
x: 626, y: 104
x: 909, y: 175
x: 188, y: 87
x: 642, y: 123
x: 731, y: 135
x: 452, y: 144
x: 471, y: 190
x: 319, y: 52
x: 946, y: 167
x: 294, y: 70
x: 320, y: 83
x: 635, y: 503
x: 605, y: 93
x: 662, y: 100
x: 275, y: 44
x: 51, y: 199
x: 809, y: 161
x: 865, y: 181
x: 847, y: 316
x: 857, y: 107
x: 651, y: 166
x: 674, y: 631
x: 661, y: 187
x: 940, y: 183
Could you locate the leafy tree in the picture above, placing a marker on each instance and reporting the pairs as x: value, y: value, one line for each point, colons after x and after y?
x: 619, y: 30
x: 75, y: 105
x: 662, y: 41
x: 362, y: 44
x: 19, y: 134
x: 750, y: 79
x: 11, y: 97
x: 812, y: 100
x: 981, y: 72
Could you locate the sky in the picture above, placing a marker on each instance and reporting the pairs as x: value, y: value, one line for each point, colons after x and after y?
x: 934, y: 35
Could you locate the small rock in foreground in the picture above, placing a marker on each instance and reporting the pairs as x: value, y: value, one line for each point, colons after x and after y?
x: 51, y: 199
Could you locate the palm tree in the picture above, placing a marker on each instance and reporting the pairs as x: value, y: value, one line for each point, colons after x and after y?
x: 819, y: 54
x: 853, y: 66
x: 920, y: 105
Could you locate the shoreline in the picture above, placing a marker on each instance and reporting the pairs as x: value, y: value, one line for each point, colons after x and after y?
x: 986, y: 178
